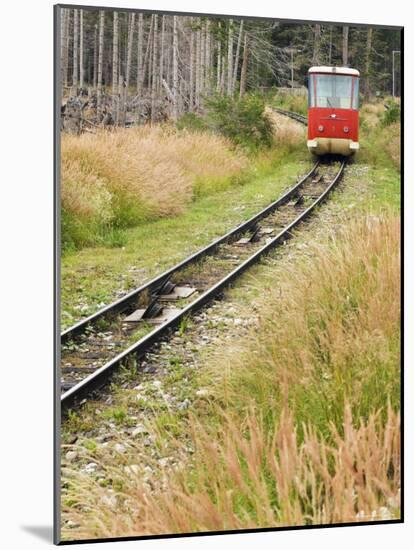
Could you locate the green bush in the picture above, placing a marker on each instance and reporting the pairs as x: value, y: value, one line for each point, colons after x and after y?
x: 191, y: 121
x: 391, y: 114
x: 290, y: 102
x: 242, y: 120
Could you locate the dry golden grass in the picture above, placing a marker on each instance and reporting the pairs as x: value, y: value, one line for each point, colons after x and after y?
x: 248, y: 476
x: 372, y: 112
x: 287, y: 132
x: 304, y: 425
x: 129, y: 175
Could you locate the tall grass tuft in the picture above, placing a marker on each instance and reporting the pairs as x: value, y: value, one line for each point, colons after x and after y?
x: 329, y: 332
x: 288, y: 134
x: 248, y: 476
x: 113, y: 180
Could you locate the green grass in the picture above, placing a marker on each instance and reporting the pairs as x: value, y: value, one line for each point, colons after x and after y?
x: 387, y: 192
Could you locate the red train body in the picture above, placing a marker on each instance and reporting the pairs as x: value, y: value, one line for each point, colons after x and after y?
x: 333, y: 110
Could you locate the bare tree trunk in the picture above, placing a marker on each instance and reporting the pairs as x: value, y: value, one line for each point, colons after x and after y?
x: 147, y: 52
x: 219, y: 60
x: 367, y: 88
x: 100, y: 60
x: 207, y: 63
x: 191, y: 83
x: 223, y: 74
x: 197, y: 66
x: 115, y: 54
x: 154, y: 68
x: 230, y: 58
x: 202, y: 57
x: 81, y: 57
x: 150, y: 59
x: 345, y: 46
x: 139, y: 51
x: 330, y: 45
x: 169, y: 64
x: 316, y: 45
x: 131, y: 30
x: 236, y: 64
x: 161, y: 75
x: 181, y: 95
x: 243, y: 75
x: 66, y: 52
x: 175, y: 68
x: 95, y: 57
x: 115, y: 42
x: 218, y: 67
x: 121, y: 116
x: 63, y: 46
x: 75, y: 52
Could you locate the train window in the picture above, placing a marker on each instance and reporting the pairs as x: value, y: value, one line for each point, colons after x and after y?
x: 343, y: 91
x: 311, y: 91
x: 333, y: 91
x: 355, y: 98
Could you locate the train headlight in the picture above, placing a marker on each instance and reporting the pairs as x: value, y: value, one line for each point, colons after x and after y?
x: 346, y: 129
x: 321, y: 128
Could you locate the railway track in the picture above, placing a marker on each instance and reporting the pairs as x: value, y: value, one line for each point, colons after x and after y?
x: 152, y: 285
x: 295, y: 116
x: 96, y: 347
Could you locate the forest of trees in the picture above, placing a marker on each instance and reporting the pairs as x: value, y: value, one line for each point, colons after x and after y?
x: 151, y: 67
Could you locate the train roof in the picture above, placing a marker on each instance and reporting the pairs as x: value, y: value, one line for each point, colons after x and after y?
x: 334, y: 70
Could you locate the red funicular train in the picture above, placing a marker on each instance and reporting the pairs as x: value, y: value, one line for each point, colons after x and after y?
x: 333, y: 110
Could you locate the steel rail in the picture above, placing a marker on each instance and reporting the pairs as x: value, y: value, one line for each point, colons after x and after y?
x: 99, y: 378
x: 296, y: 116
x: 123, y: 302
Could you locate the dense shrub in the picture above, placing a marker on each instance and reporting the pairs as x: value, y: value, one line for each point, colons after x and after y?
x: 243, y: 120
x: 391, y: 114
x: 192, y: 122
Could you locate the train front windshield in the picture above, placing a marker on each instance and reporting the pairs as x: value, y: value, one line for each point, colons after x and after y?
x: 333, y: 91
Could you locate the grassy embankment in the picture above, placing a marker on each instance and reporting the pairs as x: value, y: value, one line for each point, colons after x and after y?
x: 301, y: 421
